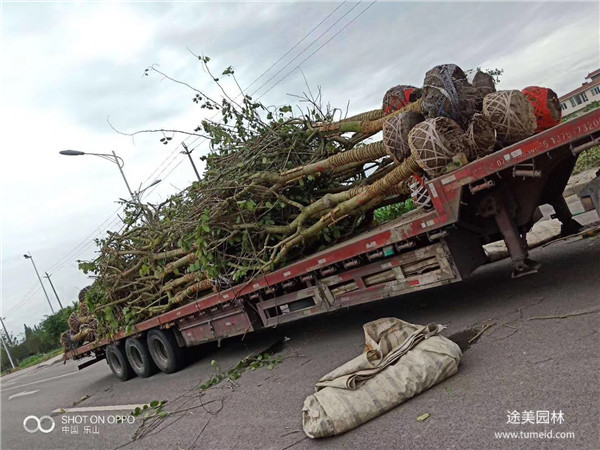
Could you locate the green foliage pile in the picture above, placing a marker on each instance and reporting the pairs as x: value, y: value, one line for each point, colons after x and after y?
x: 260, y: 204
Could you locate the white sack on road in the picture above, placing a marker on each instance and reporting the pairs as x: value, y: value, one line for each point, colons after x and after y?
x: 400, y: 361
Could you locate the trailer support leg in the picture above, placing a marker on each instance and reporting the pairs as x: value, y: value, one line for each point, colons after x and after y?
x: 494, y: 205
x: 563, y: 214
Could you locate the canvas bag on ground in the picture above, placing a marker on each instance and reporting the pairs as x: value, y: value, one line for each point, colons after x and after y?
x: 400, y: 361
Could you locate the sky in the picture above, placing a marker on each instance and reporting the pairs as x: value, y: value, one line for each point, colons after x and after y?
x: 73, y: 73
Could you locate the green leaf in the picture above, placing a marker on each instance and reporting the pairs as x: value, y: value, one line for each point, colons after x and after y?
x: 154, y: 403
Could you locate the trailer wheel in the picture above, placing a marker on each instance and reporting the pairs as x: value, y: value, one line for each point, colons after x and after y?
x: 117, y: 361
x: 139, y: 358
x: 165, y: 352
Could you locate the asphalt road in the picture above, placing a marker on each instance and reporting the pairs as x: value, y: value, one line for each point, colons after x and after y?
x: 517, y: 364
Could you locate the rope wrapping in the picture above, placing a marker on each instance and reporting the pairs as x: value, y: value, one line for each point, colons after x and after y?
x: 399, y: 96
x: 511, y: 114
x: 447, y: 93
x: 481, y: 136
x: 434, y: 142
x: 395, y: 133
x: 546, y: 106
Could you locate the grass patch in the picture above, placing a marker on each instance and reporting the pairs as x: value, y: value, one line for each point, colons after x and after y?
x: 589, y: 159
x: 33, y: 360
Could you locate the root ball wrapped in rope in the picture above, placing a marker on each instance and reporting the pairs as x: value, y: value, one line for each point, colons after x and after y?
x: 395, y: 133
x: 481, y: 137
x: 546, y: 106
x: 511, y: 115
x: 398, y: 97
x: 435, y: 142
x: 447, y: 93
x: 483, y: 84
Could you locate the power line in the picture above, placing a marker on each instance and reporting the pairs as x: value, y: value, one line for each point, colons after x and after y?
x: 306, y: 48
x: 323, y: 45
x: 297, y: 44
x: 86, y: 240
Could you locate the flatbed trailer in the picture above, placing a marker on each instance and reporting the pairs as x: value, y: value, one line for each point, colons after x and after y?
x: 492, y: 198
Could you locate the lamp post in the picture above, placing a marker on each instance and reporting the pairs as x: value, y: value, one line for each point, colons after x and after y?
x: 139, y: 192
x: 28, y: 256
x: 110, y: 157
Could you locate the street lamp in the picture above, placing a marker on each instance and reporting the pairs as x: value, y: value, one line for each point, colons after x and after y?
x: 139, y: 192
x: 28, y: 256
x: 110, y: 157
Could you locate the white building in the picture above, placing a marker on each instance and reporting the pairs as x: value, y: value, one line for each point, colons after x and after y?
x: 584, y: 95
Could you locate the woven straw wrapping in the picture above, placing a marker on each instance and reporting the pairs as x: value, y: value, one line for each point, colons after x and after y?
x: 481, y: 136
x: 434, y: 142
x: 368, y: 115
x: 395, y: 134
x: 368, y: 152
x: 511, y: 115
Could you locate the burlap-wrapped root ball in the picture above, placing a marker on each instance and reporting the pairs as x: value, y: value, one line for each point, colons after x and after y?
x: 481, y: 136
x: 511, y: 115
x: 435, y: 142
x: 395, y: 134
x: 447, y: 93
x: 398, y: 97
x: 546, y: 106
x: 74, y: 322
x: 65, y: 340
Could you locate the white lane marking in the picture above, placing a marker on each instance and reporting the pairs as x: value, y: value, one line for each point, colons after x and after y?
x: 39, y: 381
x: 22, y: 394
x: 98, y: 408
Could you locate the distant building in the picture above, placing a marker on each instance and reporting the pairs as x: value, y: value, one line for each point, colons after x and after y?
x: 584, y: 95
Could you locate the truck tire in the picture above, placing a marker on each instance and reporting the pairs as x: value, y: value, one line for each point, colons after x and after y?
x: 165, y: 352
x: 117, y: 361
x: 139, y: 357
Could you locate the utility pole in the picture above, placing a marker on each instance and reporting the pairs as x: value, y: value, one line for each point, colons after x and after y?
x: 120, y: 166
x: 8, y: 353
x: 188, y: 152
x: 28, y: 256
x: 50, y: 281
x: 6, y: 331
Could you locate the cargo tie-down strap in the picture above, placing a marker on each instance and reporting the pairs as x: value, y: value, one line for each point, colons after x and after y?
x: 400, y: 361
